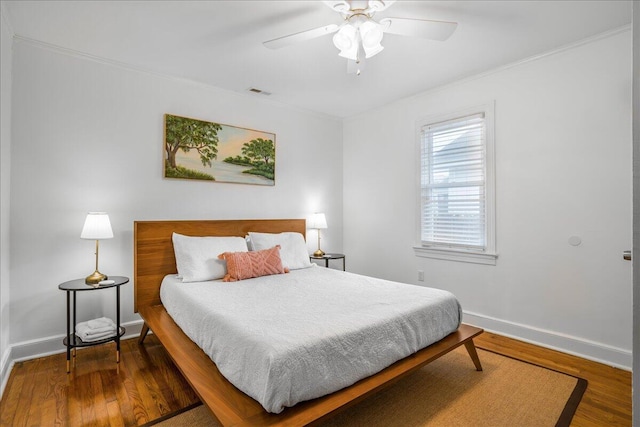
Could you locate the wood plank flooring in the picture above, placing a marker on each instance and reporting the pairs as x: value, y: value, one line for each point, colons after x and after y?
x: 98, y: 392
x: 146, y: 385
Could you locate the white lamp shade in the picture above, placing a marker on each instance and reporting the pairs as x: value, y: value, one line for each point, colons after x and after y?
x: 350, y: 53
x: 371, y: 34
x: 97, y: 226
x: 317, y: 221
x: 346, y: 39
x: 369, y: 52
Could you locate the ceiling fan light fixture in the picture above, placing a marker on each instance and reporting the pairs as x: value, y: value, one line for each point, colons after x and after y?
x: 345, y: 38
x: 350, y: 53
x: 360, y: 36
x: 369, y: 52
x: 371, y: 34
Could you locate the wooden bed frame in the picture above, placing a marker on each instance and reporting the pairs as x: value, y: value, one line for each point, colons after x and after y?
x: 154, y: 259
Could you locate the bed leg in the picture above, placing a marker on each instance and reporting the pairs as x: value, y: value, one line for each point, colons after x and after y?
x: 143, y: 333
x: 471, y: 349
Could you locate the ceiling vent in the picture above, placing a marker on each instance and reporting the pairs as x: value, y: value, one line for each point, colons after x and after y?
x: 259, y: 91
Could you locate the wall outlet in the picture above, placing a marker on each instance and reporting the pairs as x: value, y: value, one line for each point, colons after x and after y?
x: 420, y: 275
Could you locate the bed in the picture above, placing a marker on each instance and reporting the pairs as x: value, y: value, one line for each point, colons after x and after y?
x: 154, y: 260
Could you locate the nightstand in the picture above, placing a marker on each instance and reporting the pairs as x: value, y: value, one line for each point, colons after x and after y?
x: 72, y: 341
x: 328, y: 257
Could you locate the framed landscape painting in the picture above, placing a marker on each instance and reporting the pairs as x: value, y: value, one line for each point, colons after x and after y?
x: 197, y: 149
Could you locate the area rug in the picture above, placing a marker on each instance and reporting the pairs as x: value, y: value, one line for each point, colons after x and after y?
x: 450, y: 392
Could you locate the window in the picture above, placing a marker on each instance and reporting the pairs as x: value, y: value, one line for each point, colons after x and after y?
x: 456, y: 219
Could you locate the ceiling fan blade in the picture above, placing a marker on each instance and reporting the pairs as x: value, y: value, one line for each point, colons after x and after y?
x: 355, y: 67
x: 426, y: 29
x: 379, y: 5
x: 300, y: 37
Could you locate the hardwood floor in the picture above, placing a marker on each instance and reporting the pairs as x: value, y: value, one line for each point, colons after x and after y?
x: 146, y: 385
x: 98, y: 392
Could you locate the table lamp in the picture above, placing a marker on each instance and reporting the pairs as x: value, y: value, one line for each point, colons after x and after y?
x: 318, y: 222
x: 96, y: 227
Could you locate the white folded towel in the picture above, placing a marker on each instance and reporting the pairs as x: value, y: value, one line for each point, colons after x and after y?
x: 96, y: 329
x: 100, y: 323
x: 83, y: 329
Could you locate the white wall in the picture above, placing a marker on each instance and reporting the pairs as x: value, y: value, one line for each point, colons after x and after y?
x: 563, y: 145
x: 88, y: 135
x: 6, y: 35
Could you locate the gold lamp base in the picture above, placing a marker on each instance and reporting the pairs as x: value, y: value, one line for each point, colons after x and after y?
x: 319, y: 253
x: 95, y: 278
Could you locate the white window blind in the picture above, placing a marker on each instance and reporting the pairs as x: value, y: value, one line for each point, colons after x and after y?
x: 453, y: 184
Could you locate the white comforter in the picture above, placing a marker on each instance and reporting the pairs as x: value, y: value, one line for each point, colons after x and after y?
x: 288, y: 338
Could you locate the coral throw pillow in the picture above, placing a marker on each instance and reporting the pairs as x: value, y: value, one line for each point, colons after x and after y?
x: 246, y: 265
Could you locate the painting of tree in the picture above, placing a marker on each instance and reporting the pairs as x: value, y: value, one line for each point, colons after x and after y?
x: 192, y: 148
x: 260, y: 151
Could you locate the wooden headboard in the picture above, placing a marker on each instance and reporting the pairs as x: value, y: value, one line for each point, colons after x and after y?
x: 153, y: 256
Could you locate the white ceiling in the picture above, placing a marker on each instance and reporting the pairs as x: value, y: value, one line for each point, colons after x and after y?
x: 219, y: 43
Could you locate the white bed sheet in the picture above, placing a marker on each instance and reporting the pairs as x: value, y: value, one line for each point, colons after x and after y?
x: 292, y: 337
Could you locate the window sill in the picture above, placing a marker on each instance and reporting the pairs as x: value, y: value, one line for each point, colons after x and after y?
x: 456, y: 255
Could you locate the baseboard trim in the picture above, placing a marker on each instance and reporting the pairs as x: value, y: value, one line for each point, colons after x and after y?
x: 47, y: 346
x: 5, y: 368
x: 590, y: 350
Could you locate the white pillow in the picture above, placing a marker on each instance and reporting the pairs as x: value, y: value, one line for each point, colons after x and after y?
x: 293, y: 249
x: 197, y: 257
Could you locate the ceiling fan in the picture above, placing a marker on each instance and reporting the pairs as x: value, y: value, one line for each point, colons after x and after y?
x: 360, y: 36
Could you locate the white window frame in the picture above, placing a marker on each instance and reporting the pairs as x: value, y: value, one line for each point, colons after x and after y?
x: 488, y: 255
